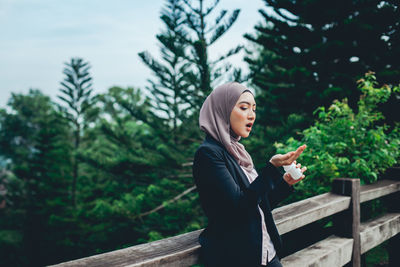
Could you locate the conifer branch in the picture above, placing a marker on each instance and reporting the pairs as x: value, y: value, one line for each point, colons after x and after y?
x: 187, y: 191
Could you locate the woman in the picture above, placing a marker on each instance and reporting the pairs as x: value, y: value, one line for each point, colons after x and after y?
x: 235, y: 198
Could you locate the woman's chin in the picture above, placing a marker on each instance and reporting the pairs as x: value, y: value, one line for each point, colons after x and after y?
x: 246, y: 134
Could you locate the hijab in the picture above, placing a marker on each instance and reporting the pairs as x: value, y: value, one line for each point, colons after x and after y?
x: 214, y: 120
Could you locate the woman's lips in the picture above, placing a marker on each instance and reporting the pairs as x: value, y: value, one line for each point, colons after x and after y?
x: 248, y: 126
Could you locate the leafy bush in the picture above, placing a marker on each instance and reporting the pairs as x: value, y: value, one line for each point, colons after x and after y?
x: 347, y: 143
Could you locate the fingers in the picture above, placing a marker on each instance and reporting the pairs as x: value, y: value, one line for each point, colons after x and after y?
x: 299, y: 150
x: 299, y: 166
x: 288, y: 155
x: 302, y: 171
x: 301, y: 178
x: 288, y: 178
x: 297, y: 153
x: 288, y: 158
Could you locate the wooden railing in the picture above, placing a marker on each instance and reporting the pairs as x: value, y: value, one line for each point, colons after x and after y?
x: 351, y: 238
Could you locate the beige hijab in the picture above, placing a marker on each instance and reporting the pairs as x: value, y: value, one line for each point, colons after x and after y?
x: 215, y: 120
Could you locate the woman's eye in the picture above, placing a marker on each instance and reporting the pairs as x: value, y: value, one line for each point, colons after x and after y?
x: 243, y: 108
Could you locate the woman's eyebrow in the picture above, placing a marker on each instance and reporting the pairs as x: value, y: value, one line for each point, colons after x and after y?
x: 245, y: 102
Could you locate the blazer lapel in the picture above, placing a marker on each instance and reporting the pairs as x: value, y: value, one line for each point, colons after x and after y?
x: 240, y: 175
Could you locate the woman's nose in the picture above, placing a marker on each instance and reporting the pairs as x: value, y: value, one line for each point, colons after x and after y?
x: 251, y: 114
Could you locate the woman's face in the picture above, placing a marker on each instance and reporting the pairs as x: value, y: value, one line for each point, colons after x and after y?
x: 243, y: 115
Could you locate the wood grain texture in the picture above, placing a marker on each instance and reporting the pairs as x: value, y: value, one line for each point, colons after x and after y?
x: 378, y: 189
x: 170, y: 251
x: 347, y: 223
x: 298, y: 214
x: 183, y: 250
x: 355, y: 228
x: 392, y: 203
x: 332, y: 251
x: 378, y: 230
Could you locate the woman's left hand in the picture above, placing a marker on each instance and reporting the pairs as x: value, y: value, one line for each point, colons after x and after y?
x: 279, y: 160
x: 289, y: 179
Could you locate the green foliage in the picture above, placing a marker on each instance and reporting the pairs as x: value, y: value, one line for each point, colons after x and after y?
x: 128, y: 167
x: 34, y: 138
x: 132, y: 167
x: 154, y: 236
x: 305, y: 54
x: 378, y: 256
x: 347, y: 143
x: 77, y: 90
x: 10, y: 247
x: 134, y: 152
x: 171, y: 94
x: 261, y: 142
x: 309, y: 53
x: 201, y: 34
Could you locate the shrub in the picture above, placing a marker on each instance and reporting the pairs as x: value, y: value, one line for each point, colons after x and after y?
x: 345, y: 143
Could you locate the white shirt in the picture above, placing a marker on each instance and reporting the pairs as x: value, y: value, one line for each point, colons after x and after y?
x: 268, y: 250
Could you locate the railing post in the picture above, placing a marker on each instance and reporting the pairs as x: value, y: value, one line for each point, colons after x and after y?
x: 347, y: 223
x: 392, y: 203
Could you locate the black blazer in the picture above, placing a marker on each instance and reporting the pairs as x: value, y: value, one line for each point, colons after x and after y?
x: 233, y: 236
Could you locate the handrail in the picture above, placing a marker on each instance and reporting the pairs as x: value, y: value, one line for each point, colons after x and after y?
x: 378, y: 189
x: 183, y: 250
x: 303, y: 212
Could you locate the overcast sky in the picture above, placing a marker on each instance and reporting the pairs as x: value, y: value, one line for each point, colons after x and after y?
x: 38, y: 36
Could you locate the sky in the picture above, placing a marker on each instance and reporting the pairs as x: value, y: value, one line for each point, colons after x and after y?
x: 38, y: 36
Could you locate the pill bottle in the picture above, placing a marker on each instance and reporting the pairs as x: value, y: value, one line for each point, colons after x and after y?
x: 294, y: 172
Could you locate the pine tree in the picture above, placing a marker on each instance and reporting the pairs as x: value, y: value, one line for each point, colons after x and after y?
x: 34, y: 137
x: 76, y: 94
x: 171, y: 98
x: 312, y: 52
x: 201, y: 35
x: 135, y: 174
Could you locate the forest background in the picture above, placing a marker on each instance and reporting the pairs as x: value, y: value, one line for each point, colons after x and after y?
x: 92, y: 173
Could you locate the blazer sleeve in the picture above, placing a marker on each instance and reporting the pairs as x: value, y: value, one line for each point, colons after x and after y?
x: 219, y: 193
x: 278, y: 188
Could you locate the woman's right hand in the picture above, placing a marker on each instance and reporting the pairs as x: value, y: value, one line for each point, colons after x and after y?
x: 279, y: 160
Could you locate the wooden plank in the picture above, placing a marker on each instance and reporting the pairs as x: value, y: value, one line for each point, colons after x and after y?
x: 172, y: 251
x: 347, y: 223
x: 378, y: 230
x: 185, y: 248
x: 378, y: 189
x: 298, y: 214
x: 391, y: 202
x: 186, y: 257
x: 332, y: 251
x: 355, y: 221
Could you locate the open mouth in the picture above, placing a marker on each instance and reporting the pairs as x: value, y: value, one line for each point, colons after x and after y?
x: 248, y: 126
